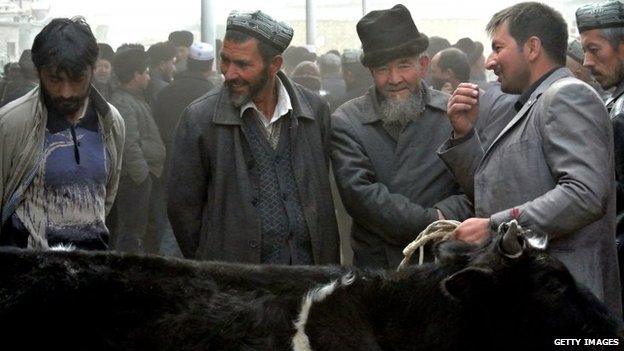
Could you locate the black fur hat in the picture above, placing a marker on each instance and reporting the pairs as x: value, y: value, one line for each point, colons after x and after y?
x: 389, y: 34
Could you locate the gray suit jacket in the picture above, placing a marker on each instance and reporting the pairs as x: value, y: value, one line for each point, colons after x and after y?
x: 551, y: 168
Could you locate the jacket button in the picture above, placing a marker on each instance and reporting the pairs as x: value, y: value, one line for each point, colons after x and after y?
x: 253, y: 244
x: 254, y: 201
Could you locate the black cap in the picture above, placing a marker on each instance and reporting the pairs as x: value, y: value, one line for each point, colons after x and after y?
x: 181, y: 38
x: 609, y: 14
x: 389, y: 34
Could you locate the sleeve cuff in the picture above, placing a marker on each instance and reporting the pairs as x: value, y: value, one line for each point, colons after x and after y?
x: 456, y: 141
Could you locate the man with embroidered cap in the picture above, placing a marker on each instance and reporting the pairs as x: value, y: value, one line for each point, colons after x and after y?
x: 551, y: 166
x: 384, y: 143
x: 248, y: 178
x: 601, y: 26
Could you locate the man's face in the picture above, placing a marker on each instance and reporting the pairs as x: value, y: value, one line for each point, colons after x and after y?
x: 103, y: 70
x: 63, y: 93
x: 182, y: 53
x: 508, y: 61
x: 168, y: 68
x: 244, y: 70
x: 399, y: 79
x: 438, y: 76
x: 142, y: 79
x: 604, y: 61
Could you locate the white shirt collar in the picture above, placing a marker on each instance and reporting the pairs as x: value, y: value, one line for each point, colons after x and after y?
x: 281, y: 108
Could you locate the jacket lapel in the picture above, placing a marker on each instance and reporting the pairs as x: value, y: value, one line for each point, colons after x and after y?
x: 524, y: 111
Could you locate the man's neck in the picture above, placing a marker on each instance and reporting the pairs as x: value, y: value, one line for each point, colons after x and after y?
x: 539, y: 70
x: 266, y: 99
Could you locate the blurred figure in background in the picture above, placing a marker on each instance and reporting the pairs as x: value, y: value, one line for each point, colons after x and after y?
x: 332, y: 82
x: 162, y: 59
x: 103, y: 75
x: 21, y: 83
x: 294, y: 55
x: 182, y: 40
x: 449, y: 67
x: 144, y: 152
x: 308, y: 74
x: 357, y: 77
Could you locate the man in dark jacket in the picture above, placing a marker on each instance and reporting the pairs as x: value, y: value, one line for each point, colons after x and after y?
x: 188, y: 86
x: 248, y: 178
x: 143, y: 156
x: 162, y: 58
x: 602, y: 36
x: 384, y: 144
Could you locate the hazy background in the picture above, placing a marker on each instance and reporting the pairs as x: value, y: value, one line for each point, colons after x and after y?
x: 148, y: 22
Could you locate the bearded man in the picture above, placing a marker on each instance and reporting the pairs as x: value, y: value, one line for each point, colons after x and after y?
x: 384, y: 143
x: 60, y: 147
x: 248, y: 177
x: 601, y: 26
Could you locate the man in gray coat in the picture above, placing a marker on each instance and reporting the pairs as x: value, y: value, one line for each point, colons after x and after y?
x: 384, y: 143
x: 248, y: 177
x: 551, y: 167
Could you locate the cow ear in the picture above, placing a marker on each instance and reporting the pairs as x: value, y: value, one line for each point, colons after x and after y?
x: 469, y: 283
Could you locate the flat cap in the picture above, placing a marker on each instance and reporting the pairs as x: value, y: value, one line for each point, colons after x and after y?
x: 608, y: 14
x: 262, y: 27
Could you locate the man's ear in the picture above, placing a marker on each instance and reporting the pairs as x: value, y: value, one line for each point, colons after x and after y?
x: 533, y: 48
x: 276, y: 64
x: 620, y: 50
x: 468, y: 284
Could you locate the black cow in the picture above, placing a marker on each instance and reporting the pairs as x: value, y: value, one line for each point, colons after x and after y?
x: 502, y: 295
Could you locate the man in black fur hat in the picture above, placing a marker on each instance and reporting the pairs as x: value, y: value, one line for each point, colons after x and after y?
x: 384, y: 143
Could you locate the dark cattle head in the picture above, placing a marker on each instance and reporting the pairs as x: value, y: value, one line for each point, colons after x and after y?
x: 525, y: 297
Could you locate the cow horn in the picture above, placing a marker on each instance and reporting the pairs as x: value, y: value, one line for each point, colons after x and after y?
x: 512, y: 243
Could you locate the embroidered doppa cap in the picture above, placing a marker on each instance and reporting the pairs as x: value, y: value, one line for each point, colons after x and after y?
x: 262, y: 27
x: 608, y: 14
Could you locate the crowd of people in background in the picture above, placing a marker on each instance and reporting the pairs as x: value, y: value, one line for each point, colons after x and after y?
x: 223, y: 152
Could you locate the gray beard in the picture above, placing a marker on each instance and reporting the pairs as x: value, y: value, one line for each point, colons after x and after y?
x: 400, y: 112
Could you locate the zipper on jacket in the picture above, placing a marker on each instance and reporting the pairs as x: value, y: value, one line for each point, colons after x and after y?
x: 76, y: 144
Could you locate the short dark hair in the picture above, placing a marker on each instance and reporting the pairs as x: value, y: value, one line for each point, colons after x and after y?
x: 529, y: 19
x: 65, y: 45
x: 193, y: 65
x: 457, y: 61
x: 267, y: 51
x: 161, y: 52
x: 127, y: 62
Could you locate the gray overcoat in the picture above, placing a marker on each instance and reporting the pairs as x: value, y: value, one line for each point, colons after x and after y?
x: 390, y: 186
x: 551, y: 168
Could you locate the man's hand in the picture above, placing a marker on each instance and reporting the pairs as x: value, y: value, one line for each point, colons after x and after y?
x: 463, y: 108
x: 473, y: 230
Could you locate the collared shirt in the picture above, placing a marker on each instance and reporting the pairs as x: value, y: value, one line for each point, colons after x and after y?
x: 527, y: 94
x: 282, y: 108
